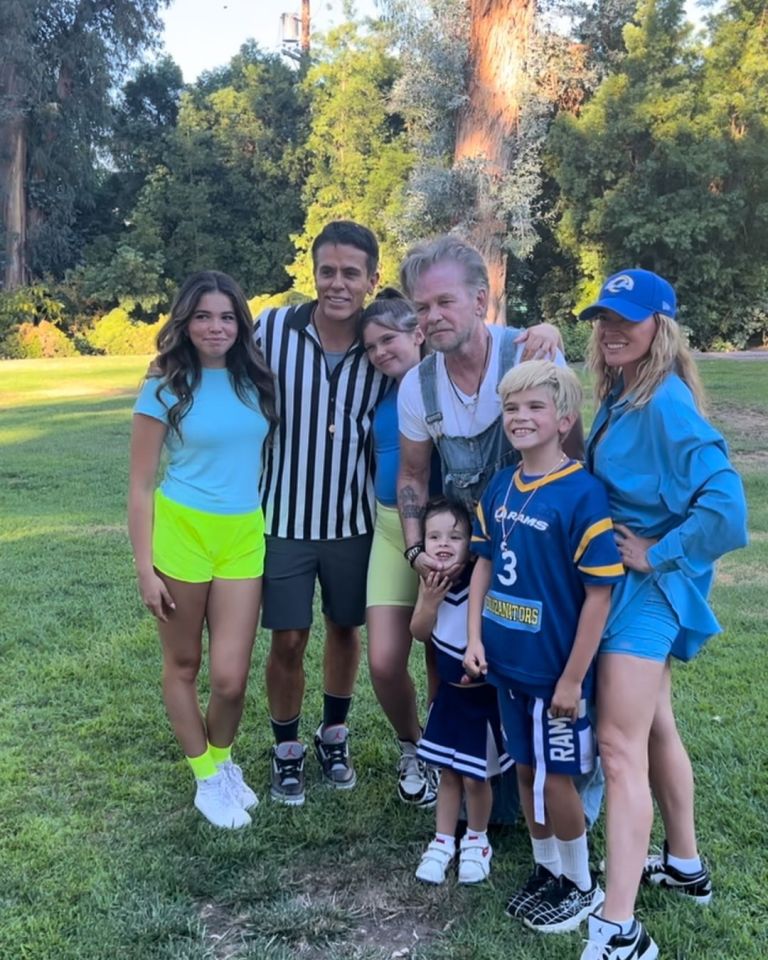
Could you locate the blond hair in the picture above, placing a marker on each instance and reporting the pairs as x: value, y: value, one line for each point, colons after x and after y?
x: 668, y: 353
x: 561, y: 382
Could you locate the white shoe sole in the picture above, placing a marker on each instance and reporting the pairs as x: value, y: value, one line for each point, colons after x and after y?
x: 296, y: 801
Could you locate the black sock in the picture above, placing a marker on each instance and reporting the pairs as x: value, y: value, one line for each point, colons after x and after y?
x: 335, y: 709
x: 285, y: 732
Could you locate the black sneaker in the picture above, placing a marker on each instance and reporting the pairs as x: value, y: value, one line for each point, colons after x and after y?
x: 561, y: 906
x: 636, y: 945
x: 658, y: 873
x: 287, y: 773
x: 522, y: 901
x: 332, y: 751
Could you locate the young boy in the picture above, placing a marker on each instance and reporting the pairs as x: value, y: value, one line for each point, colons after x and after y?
x: 538, y: 601
x: 463, y: 732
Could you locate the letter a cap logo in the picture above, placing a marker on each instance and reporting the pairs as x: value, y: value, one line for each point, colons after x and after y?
x: 634, y: 295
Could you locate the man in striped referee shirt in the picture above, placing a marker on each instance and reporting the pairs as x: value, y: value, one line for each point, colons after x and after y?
x: 318, y: 500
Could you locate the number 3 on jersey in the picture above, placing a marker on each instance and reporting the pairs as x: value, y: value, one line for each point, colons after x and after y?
x: 509, y: 562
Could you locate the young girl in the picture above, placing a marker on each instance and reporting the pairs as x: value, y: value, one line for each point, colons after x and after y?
x: 198, y: 540
x: 393, y: 342
x: 463, y: 733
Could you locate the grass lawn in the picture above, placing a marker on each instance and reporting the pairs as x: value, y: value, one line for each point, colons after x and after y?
x: 101, y: 853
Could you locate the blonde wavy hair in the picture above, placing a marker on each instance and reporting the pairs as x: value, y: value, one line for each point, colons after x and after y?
x: 668, y: 354
x: 561, y: 382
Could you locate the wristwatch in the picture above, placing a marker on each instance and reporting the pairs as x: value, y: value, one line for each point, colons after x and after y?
x: 410, y: 553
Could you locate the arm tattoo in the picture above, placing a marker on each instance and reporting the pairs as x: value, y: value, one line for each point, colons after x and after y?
x: 408, y: 503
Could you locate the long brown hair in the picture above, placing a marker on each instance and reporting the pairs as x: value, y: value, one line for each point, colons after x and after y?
x: 177, y: 365
x: 668, y: 353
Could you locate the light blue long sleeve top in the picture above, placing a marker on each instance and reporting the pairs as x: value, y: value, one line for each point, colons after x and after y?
x: 668, y: 478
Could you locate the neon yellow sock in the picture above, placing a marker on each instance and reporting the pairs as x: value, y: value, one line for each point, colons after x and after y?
x: 203, y: 766
x: 219, y: 754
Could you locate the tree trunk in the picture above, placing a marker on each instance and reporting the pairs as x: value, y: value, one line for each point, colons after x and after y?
x: 499, y: 35
x: 305, y: 23
x: 13, y: 151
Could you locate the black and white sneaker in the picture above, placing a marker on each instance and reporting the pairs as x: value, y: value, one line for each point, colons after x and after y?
x: 287, y: 773
x: 332, y: 751
x: 561, y: 906
x: 658, y: 873
x: 636, y: 945
x: 416, y: 781
x: 522, y: 901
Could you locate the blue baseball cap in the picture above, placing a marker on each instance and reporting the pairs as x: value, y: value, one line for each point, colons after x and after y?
x: 634, y: 295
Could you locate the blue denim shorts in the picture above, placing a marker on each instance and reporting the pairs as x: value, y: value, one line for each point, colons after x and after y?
x: 651, y: 633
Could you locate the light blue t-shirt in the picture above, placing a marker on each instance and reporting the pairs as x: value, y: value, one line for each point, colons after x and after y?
x: 216, y: 465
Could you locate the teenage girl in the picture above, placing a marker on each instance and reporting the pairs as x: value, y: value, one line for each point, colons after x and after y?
x: 393, y: 342
x: 198, y: 539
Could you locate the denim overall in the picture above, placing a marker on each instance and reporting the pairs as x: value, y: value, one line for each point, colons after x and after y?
x: 468, y: 463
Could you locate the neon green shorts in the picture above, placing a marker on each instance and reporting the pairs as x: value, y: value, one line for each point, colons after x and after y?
x: 391, y: 582
x: 195, y: 546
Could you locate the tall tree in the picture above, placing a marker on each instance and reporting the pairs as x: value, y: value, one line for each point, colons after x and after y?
x: 60, y: 59
x: 664, y: 168
x: 224, y: 190
x: 477, y: 111
x: 359, y: 158
x: 489, y: 121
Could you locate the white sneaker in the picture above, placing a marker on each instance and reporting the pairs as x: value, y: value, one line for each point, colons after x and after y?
x: 239, y: 789
x: 215, y: 801
x: 414, y: 783
x: 474, y: 859
x: 434, y: 863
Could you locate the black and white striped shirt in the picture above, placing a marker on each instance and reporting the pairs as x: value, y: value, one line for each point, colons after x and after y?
x: 317, y: 480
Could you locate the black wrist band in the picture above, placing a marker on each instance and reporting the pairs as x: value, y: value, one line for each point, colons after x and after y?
x: 410, y: 553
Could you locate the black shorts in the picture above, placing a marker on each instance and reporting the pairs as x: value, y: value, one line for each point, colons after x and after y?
x: 290, y: 570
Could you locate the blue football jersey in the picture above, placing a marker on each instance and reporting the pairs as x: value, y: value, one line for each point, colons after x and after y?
x: 546, y: 537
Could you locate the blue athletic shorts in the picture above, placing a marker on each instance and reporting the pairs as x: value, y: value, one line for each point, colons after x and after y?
x: 651, y: 633
x: 548, y: 744
x: 533, y: 737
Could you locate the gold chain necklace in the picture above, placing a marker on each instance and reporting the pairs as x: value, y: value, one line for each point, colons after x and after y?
x: 506, y: 534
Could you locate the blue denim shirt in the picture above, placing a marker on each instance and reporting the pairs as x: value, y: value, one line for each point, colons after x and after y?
x: 668, y: 478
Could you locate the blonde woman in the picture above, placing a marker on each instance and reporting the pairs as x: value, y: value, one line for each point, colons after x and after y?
x: 677, y: 505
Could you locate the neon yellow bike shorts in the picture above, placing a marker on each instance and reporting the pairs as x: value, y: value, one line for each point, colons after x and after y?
x: 195, y: 546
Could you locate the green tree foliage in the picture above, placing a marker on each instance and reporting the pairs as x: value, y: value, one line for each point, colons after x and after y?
x: 664, y: 168
x: 225, y: 193
x: 357, y: 151
x: 116, y: 334
x: 59, y: 60
x: 144, y: 115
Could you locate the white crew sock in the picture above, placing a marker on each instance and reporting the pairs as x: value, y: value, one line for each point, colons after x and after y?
x: 574, y: 856
x: 546, y: 853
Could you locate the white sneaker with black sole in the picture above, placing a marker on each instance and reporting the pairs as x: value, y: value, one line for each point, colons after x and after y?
x: 214, y: 799
x: 694, y: 886
x: 415, y: 785
x: 561, y: 906
x: 240, y: 790
x: 635, y: 945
